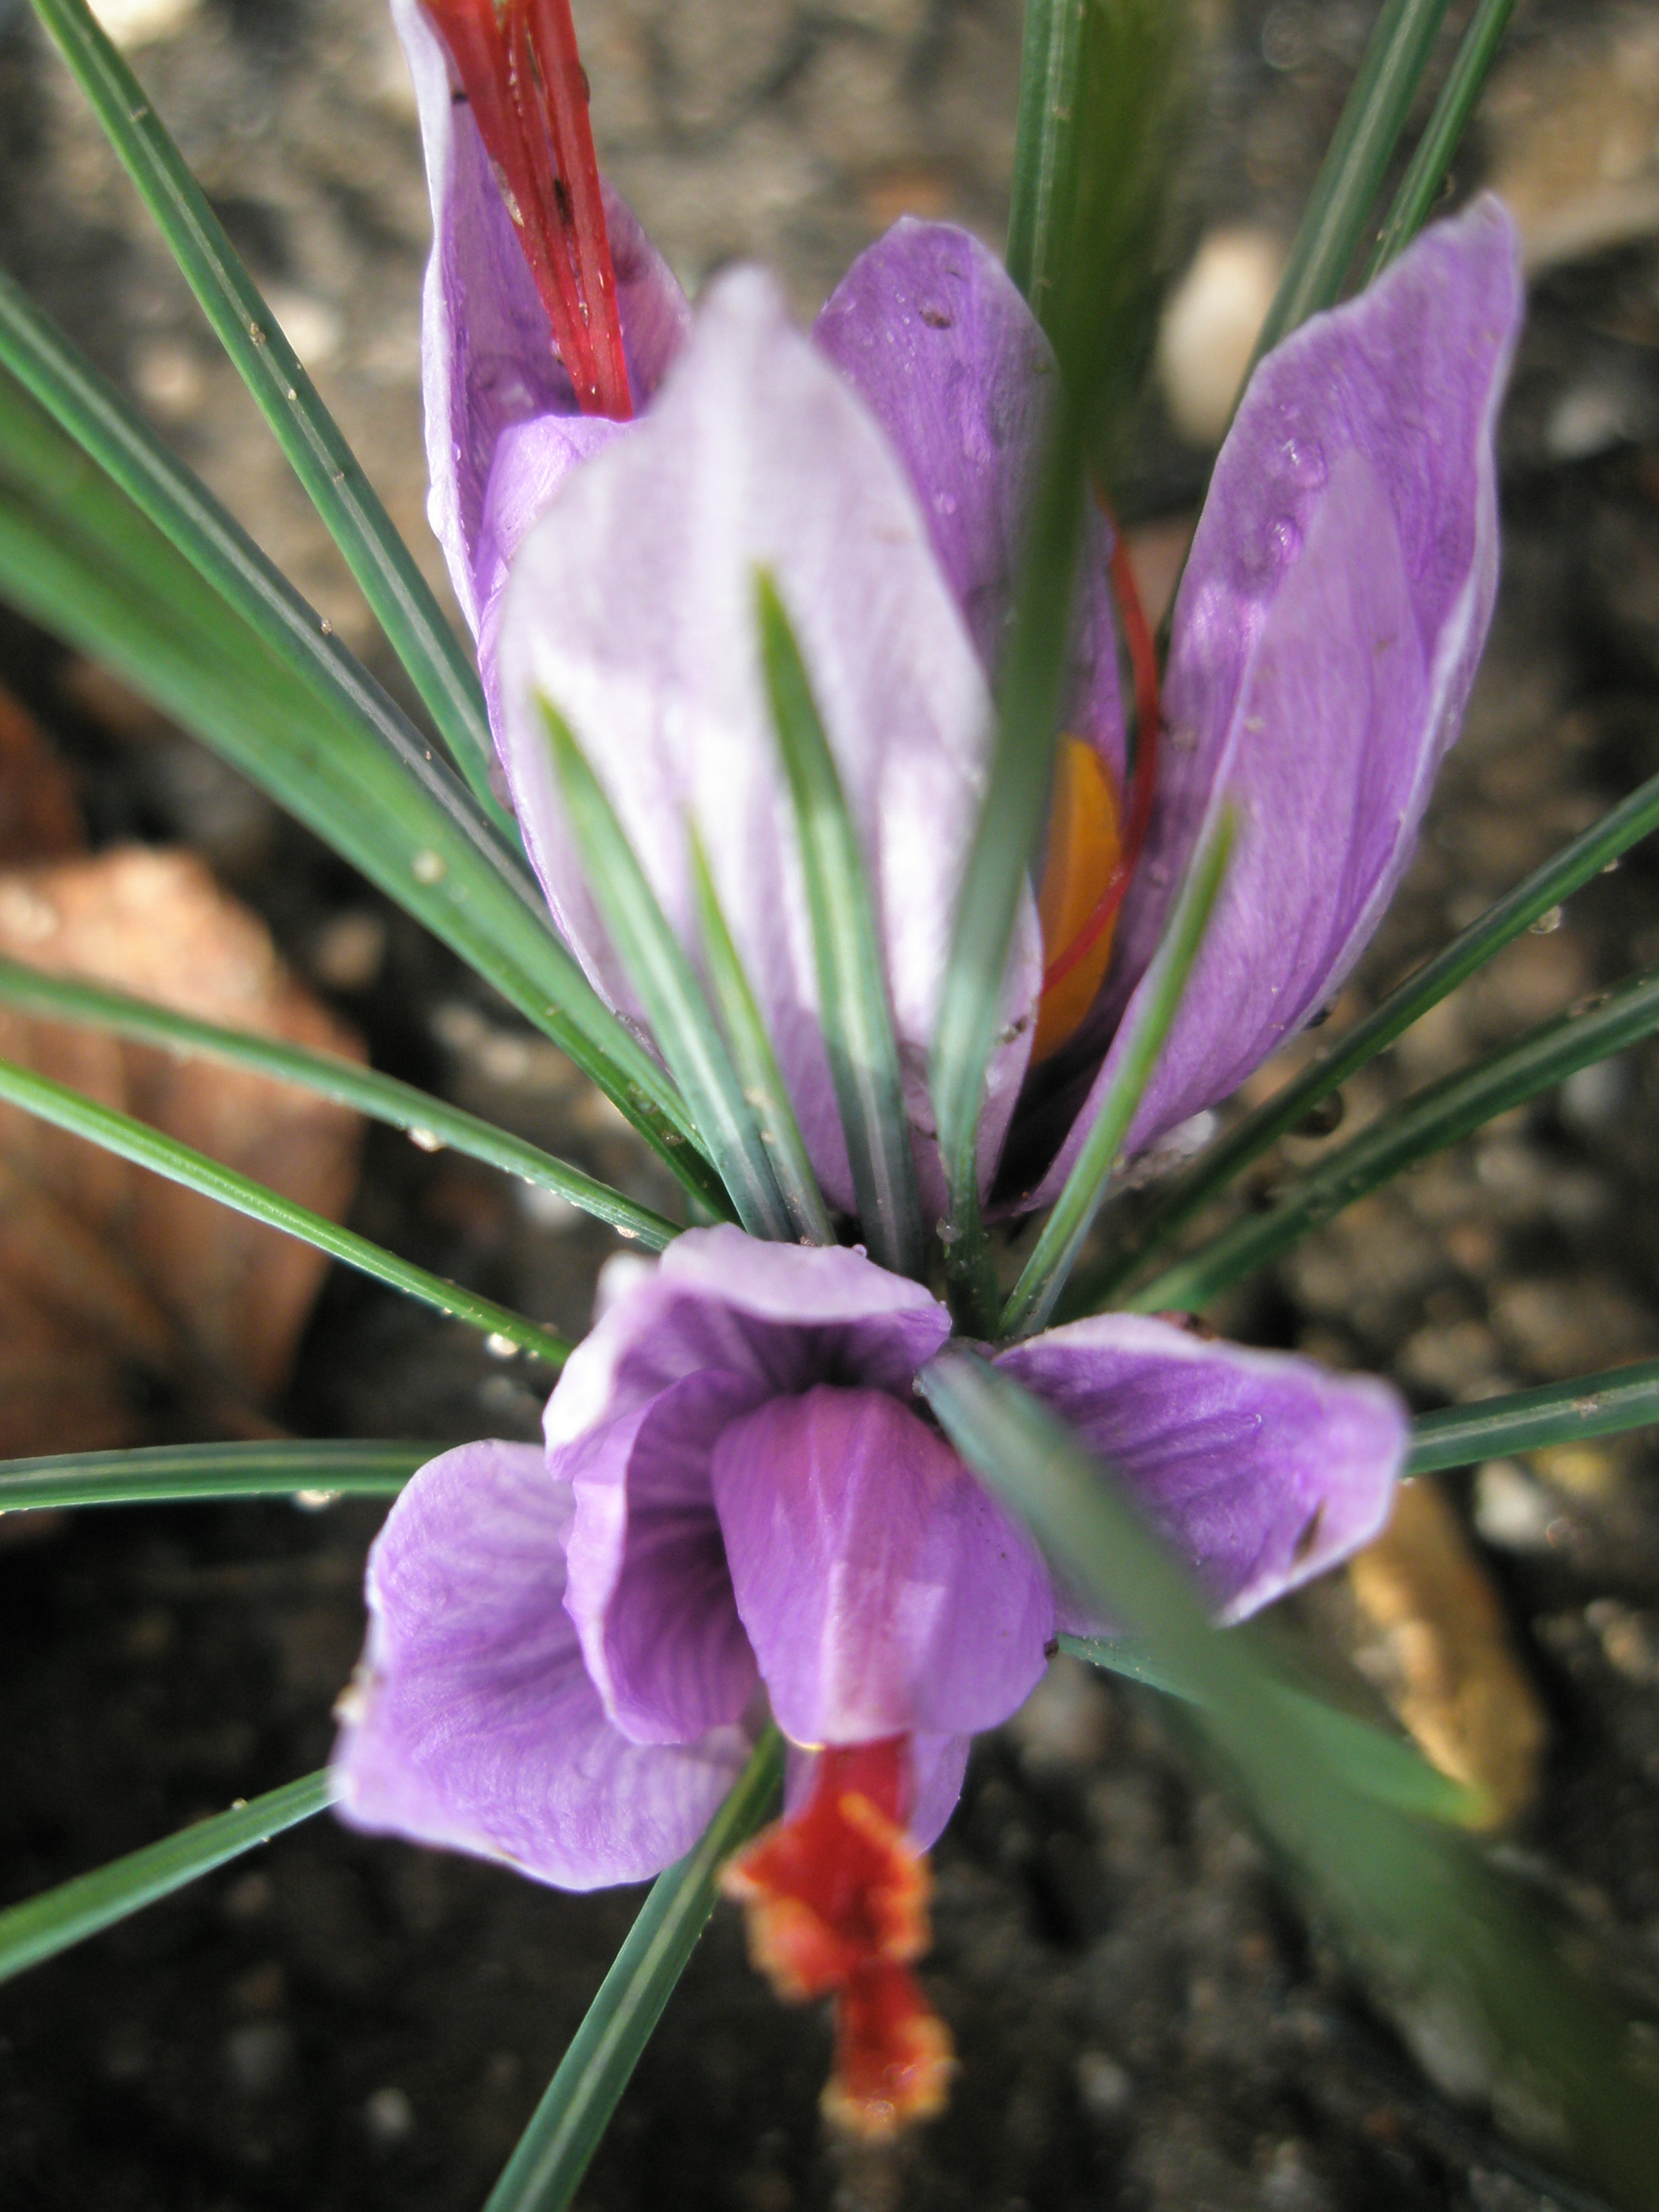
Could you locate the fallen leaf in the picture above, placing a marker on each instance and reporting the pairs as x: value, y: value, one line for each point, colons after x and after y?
x: 1433, y: 1640
x: 129, y: 1308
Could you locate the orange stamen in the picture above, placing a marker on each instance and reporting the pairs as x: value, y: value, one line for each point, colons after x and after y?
x: 518, y: 63
x: 837, y: 1899
x: 1086, y: 841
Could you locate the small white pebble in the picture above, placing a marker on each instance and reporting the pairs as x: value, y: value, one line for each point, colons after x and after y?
x: 499, y: 1346
x: 388, y: 2116
x: 1211, y: 324
x: 1512, y: 1512
x: 547, y: 1209
x: 315, y: 1501
x: 425, y: 1140
x: 134, y: 22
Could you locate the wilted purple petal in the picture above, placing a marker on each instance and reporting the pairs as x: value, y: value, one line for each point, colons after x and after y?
x: 883, y: 1590
x: 935, y: 337
x: 486, y: 354
x: 649, y: 1588
x: 1258, y: 1469
x: 473, y: 1724
x: 632, y: 609
x: 1324, y: 640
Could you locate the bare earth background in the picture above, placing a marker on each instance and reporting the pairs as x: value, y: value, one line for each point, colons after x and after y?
x: 1143, y: 2019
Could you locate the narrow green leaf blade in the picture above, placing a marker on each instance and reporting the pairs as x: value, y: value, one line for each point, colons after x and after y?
x: 1424, y: 178
x: 77, y: 555
x: 186, y: 1474
x: 1101, y: 163
x: 164, y: 1156
x: 858, y: 1022
x: 669, y: 990
x: 1559, y: 877
x: 1375, y: 1763
x: 1033, y: 1298
x: 95, y: 415
x: 1419, y: 1126
x: 1335, y: 218
x: 546, y: 2169
x: 1526, y: 1420
x: 434, y: 1121
x: 755, y: 1061
x: 1413, y: 1897
x: 440, y: 669
x: 1044, y: 141
x: 68, y: 1915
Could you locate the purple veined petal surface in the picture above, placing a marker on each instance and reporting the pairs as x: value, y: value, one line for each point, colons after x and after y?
x: 884, y: 1591
x: 1324, y: 640
x: 487, y: 358
x: 930, y: 330
x: 937, y: 1764
x: 631, y: 607
x: 786, y: 1316
x: 473, y: 1724
x: 1259, y: 1469
x: 647, y: 1585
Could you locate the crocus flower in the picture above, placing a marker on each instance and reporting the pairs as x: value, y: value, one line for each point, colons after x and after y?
x: 1322, y: 643
x: 741, y: 1503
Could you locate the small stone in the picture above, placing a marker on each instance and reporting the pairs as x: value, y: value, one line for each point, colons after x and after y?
x: 1105, y: 2090
x: 257, y: 2056
x: 388, y: 2116
x: 1209, y: 328
x: 136, y: 22
x: 349, y: 951
x: 1512, y: 1512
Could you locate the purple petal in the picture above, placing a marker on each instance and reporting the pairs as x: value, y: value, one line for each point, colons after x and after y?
x: 649, y: 1588
x: 632, y: 609
x: 937, y: 339
x: 1325, y: 638
x: 937, y: 1764
x: 785, y: 1315
x: 1258, y: 1469
x: 487, y: 351
x: 883, y: 1590
x: 473, y: 1724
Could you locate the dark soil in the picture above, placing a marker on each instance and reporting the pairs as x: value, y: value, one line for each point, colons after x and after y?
x: 1144, y: 2019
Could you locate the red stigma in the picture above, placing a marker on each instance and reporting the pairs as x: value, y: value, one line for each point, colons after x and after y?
x: 1143, y: 662
x: 836, y: 1897
x: 523, y: 78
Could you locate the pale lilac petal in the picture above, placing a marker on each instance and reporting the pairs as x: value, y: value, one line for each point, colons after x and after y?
x: 1258, y: 1469
x: 937, y: 1764
x: 786, y: 1315
x: 883, y: 1590
x: 473, y: 1724
x: 1325, y: 638
x: 649, y: 1588
x: 631, y: 607
x: 487, y: 348
x: 937, y: 339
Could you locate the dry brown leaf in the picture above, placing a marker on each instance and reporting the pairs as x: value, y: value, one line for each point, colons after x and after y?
x: 39, y: 814
x: 1434, y: 1641
x: 129, y: 1308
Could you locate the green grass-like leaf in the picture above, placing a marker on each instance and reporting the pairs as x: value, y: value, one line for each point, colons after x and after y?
x: 1034, y: 1295
x: 853, y: 1007
x: 755, y: 1061
x: 1567, y: 872
x: 1413, y: 1897
x: 89, y: 408
x: 189, y: 1474
x: 1525, y: 1420
x: 1425, y: 176
x: 1409, y: 1131
x: 439, y: 667
x: 546, y: 2169
x: 1334, y: 221
x: 79, y: 555
x: 685, y: 1031
x: 164, y: 1156
x: 382, y: 1098
x: 68, y: 1915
